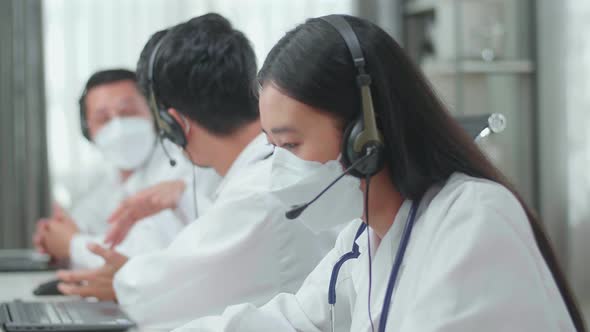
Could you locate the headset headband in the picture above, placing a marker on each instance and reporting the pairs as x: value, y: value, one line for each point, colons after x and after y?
x: 152, y: 63
x: 362, y: 136
x: 166, y: 125
x: 353, y: 44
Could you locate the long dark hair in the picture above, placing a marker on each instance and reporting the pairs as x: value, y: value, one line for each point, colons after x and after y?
x: 424, y: 145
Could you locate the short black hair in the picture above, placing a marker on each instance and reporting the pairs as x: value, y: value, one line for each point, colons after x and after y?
x: 205, y: 70
x: 101, y: 78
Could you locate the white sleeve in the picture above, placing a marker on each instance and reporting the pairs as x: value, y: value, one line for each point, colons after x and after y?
x: 484, y: 272
x: 92, y: 212
x: 307, y: 310
x: 206, y: 182
x: 185, y: 209
x: 150, y: 234
x: 244, y: 317
x: 196, y: 275
x: 80, y: 256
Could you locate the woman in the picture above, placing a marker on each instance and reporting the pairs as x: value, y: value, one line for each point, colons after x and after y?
x: 477, y: 258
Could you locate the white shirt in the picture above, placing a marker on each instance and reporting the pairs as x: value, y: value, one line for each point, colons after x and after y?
x: 472, y: 264
x: 154, y: 232
x: 242, y: 249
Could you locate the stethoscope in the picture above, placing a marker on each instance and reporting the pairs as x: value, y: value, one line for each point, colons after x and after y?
x: 354, y: 253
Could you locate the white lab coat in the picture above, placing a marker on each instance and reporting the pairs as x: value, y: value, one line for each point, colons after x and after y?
x: 472, y: 264
x: 155, y: 232
x: 242, y: 249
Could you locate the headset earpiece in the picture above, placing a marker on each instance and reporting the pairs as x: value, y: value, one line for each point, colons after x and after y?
x: 166, y: 125
x: 361, y: 136
x: 170, y: 129
x: 349, y: 155
x: 348, y: 144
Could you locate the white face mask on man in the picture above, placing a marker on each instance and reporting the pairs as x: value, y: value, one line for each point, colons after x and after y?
x: 126, y: 142
x: 340, y: 204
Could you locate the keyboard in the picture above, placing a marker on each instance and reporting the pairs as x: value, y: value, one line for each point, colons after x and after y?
x: 47, y: 313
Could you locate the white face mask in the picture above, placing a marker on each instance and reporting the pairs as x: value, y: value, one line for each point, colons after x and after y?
x: 126, y: 142
x: 302, y: 180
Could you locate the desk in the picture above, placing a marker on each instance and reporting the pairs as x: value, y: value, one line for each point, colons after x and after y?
x: 16, y: 285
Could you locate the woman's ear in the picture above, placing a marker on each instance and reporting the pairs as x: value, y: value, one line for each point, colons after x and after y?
x: 184, y: 123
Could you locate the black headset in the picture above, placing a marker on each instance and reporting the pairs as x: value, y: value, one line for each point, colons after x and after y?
x: 166, y: 125
x: 361, y: 138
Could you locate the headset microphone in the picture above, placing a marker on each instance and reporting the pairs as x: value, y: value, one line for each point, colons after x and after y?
x: 296, y: 210
x: 171, y: 160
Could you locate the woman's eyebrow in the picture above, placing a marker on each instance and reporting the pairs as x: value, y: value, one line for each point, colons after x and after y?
x: 282, y: 130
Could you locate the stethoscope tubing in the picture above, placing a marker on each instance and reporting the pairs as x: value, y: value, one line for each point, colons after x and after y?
x: 355, y: 253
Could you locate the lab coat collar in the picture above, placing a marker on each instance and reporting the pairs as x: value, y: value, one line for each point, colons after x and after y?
x: 383, y: 255
x: 258, y: 149
x: 139, y: 175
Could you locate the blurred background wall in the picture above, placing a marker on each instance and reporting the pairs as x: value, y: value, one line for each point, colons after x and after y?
x: 24, y: 180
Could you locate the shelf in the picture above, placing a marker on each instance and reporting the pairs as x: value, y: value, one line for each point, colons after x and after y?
x: 478, y: 67
x: 417, y: 7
